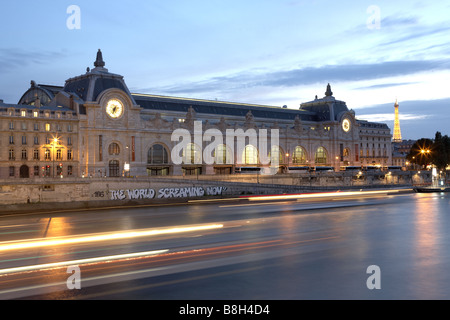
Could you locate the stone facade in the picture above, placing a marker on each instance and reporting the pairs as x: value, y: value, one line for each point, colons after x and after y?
x: 94, y: 127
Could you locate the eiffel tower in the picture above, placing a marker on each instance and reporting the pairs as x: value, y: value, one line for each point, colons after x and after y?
x: 397, y: 133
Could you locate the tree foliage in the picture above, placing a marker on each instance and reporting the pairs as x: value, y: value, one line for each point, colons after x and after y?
x: 426, y: 152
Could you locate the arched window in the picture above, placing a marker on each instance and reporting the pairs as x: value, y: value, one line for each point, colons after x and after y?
x: 157, y: 154
x: 222, y: 155
x: 320, y: 156
x: 192, y: 154
x: 276, y: 152
x: 250, y: 155
x: 114, y: 149
x: 114, y: 169
x: 299, y: 156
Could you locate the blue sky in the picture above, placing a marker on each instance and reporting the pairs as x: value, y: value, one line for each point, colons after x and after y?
x: 265, y: 52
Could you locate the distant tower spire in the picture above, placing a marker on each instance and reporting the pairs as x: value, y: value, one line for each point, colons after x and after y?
x: 99, y: 63
x: 328, y: 93
x: 397, y: 133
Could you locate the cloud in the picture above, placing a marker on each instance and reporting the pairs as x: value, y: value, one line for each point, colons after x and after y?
x: 308, y: 76
x: 386, y: 85
x: 12, y: 58
x: 382, y: 117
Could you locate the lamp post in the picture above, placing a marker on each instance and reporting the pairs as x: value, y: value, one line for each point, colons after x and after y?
x: 54, y: 142
x: 287, y: 162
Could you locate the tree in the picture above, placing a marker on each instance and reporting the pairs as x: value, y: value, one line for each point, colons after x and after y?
x: 421, y: 152
x: 441, y: 151
x: 426, y: 151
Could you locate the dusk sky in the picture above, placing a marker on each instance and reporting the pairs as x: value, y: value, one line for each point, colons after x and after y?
x: 264, y: 52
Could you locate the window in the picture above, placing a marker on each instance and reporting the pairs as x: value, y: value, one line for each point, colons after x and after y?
x: 24, y: 154
x: 69, y: 170
x: 69, y: 141
x: 69, y: 154
x: 11, y: 154
x: 36, y: 171
x: 35, y: 114
x: 12, y: 171
x: 36, y: 140
x: 299, y: 156
x: 47, y: 154
x: 69, y: 128
x: 24, y: 126
x: 36, y: 126
x: 114, y: 170
x: 11, y: 125
x: 47, y: 127
x: 114, y: 149
x: 222, y: 155
x: 250, y: 155
x: 192, y: 154
x: 59, y: 154
x: 36, y: 154
x: 59, y: 170
x: 157, y: 154
x: 11, y: 139
x: 320, y: 156
x: 276, y: 153
x: 24, y: 139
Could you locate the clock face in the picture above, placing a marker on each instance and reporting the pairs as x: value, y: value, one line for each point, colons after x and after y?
x: 346, y: 125
x: 114, y: 108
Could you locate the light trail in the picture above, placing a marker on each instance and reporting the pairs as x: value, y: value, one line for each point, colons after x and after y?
x: 81, y: 261
x: 28, y: 244
x: 322, y: 195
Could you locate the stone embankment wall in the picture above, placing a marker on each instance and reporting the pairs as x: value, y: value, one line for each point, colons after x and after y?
x: 117, y: 191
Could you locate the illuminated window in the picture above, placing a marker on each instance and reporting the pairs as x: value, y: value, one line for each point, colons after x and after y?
x: 47, y: 127
x: 299, y: 156
x: 222, y: 155
x: 35, y: 114
x: 250, y: 155
x: 274, y: 154
x: 47, y: 154
x: 58, y: 154
x: 192, y: 154
x: 320, y: 156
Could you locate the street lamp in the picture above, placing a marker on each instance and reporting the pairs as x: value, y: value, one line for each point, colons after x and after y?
x: 54, y: 142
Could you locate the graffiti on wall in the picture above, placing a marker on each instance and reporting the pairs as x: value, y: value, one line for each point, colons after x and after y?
x: 163, y: 193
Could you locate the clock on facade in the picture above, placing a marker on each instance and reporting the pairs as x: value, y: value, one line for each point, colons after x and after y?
x: 346, y: 125
x: 114, y: 108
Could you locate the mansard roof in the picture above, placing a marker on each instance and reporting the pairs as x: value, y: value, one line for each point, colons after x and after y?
x: 163, y: 103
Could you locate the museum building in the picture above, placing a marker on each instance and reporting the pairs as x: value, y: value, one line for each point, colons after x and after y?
x: 93, y: 126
